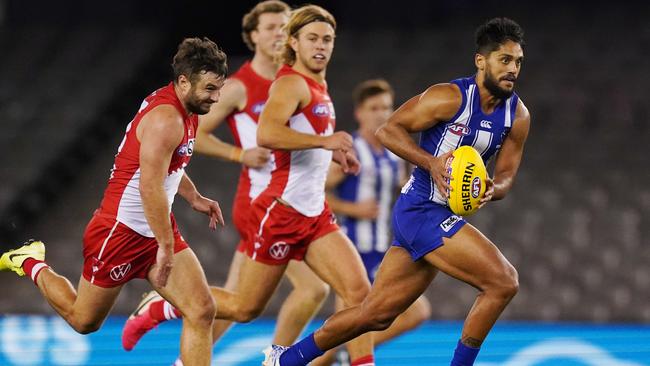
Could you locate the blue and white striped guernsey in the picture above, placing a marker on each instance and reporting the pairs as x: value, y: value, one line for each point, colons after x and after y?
x: 470, y: 126
x: 378, y: 179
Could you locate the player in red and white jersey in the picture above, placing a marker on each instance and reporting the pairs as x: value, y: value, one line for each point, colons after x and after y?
x: 133, y: 233
x: 242, y: 99
x: 290, y: 219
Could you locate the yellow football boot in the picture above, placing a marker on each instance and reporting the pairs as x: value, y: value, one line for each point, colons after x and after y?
x: 13, y: 259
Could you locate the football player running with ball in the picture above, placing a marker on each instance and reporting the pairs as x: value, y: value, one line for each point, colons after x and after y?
x: 481, y: 111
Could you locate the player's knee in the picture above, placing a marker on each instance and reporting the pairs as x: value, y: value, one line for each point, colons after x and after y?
x: 202, y: 312
x: 86, y: 327
x: 512, y: 284
x: 378, y: 320
x: 376, y: 316
x: 423, y: 311
x: 314, y: 293
x: 248, y: 313
x: 507, y: 285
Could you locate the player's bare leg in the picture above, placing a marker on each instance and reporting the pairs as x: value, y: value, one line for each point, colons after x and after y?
x: 470, y: 257
x: 220, y: 326
x: 86, y: 309
x: 416, y: 314
x: 187, y: 289
x: 398, y: 283
x: 302, y: 304
x: 335, y: 260
x: 257, y: 282
x: 299, y: 308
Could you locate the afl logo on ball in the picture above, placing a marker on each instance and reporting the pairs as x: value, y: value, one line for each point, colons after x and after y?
x: 118, y: 272
x: 279, y: 250
x: 459, y: 129
x: 476, y: 187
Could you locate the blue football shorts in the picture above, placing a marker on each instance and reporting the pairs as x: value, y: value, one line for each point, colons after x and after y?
x: 419, y: 224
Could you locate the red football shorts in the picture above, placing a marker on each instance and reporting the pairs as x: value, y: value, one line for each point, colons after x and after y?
x: 280, y: 233
x: 241, y: 210
x: 114, y: 254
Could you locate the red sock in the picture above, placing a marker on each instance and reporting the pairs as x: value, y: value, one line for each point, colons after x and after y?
x: 161, y: 310
x: 368, y: 360
x: 33, y: 268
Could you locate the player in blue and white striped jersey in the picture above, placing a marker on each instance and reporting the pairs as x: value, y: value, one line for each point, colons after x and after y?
x: 480, y: 111
x: 363, y: 202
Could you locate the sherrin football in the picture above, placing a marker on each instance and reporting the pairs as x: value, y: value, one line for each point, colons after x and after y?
x: 468, y: 183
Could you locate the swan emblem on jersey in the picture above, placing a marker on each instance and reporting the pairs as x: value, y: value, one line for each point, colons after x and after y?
x: 459, y: 129
x: 279, y: 250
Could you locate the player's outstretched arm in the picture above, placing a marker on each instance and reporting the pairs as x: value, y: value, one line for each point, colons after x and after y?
x: 233, y: 98
x: 160, y: 131
x: 438, y: 103
x: 509, y: 157
x: 288, y: 94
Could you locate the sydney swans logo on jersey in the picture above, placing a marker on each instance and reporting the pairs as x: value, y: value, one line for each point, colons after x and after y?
x: 459, y: 129
x: 118, y: 272
x: 279, y: 250
x: 258, y: 107
x: 324, y: 110
x: 186, y: 149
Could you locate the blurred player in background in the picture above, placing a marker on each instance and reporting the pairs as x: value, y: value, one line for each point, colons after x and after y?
x: 480, y: 111
x: 363, y: 202
x: 242, y: 99
x: 133, y: 233
x: 290, y: 219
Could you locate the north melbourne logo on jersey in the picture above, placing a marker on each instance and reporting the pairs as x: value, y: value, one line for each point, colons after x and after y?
x: 486, y: 124
x: 118, y: 272
x: 279, y: 250
x: 450, y: 222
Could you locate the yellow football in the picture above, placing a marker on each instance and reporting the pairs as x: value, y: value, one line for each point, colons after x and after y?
x: 468, y: 184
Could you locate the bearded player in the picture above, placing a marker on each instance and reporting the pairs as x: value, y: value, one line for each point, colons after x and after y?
x: 290, y: 220
x: 240, y: 104
x: 133, y: 233
x: 481, y: 111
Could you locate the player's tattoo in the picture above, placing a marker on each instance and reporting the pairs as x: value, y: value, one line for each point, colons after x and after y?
x: 472, y: 342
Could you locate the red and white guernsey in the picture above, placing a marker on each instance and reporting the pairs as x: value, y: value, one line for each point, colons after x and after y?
x: 122, y: 196
x: 299, y: 176
x: 243, y: 125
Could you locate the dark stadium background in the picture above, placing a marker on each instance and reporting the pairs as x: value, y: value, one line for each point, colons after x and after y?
x: 576, y: 225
